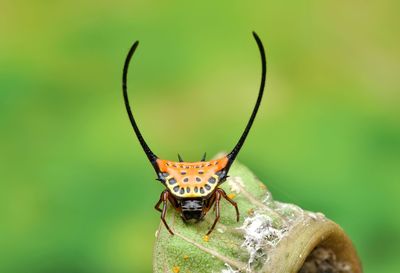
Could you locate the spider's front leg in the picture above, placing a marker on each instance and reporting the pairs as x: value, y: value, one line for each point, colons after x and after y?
x: 233, y: 203
x: 163, y: 199
x: 216, y: 198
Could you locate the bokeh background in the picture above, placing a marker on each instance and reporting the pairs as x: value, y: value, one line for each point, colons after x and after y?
x: 77, y: 192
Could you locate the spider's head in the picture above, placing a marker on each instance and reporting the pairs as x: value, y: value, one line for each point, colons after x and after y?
x: 192, y: 209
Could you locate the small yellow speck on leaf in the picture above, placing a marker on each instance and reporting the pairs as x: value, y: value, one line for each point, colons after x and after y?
x: 250, y: 212
x: 262, y: 186
x: 206, y: 238
x: 231, y: 195
x: 185, y: 257
x: 176, y: 269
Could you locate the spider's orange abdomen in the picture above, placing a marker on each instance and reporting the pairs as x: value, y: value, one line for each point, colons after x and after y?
x: 192, y: 179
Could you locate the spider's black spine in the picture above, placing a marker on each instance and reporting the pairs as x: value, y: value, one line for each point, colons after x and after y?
x: 232, y: 155
x: 150, y: 155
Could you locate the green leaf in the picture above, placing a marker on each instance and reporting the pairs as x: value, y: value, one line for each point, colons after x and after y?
x: 268, y: 238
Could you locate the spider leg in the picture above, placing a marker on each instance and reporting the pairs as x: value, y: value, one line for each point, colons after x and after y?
x: 233, y: 203
x: 157, y: 206
x: 163, y: 199
x: 211, y: 202
x: 207, y: 206
x: 217, y: 199
x: 174, y: 203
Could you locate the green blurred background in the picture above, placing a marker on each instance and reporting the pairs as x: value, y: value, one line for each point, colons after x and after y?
x: 77, y: 192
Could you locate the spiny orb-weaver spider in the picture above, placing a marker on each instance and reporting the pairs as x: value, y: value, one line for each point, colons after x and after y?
x: 193, y: 187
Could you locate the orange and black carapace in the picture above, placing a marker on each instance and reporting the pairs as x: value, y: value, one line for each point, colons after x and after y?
x: 192, y: 188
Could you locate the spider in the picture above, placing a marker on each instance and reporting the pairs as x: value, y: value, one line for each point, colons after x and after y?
x: 193, y: 188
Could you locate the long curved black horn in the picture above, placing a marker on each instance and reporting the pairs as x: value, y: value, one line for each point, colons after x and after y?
x: 150, y: 155
x: 232, y: 155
